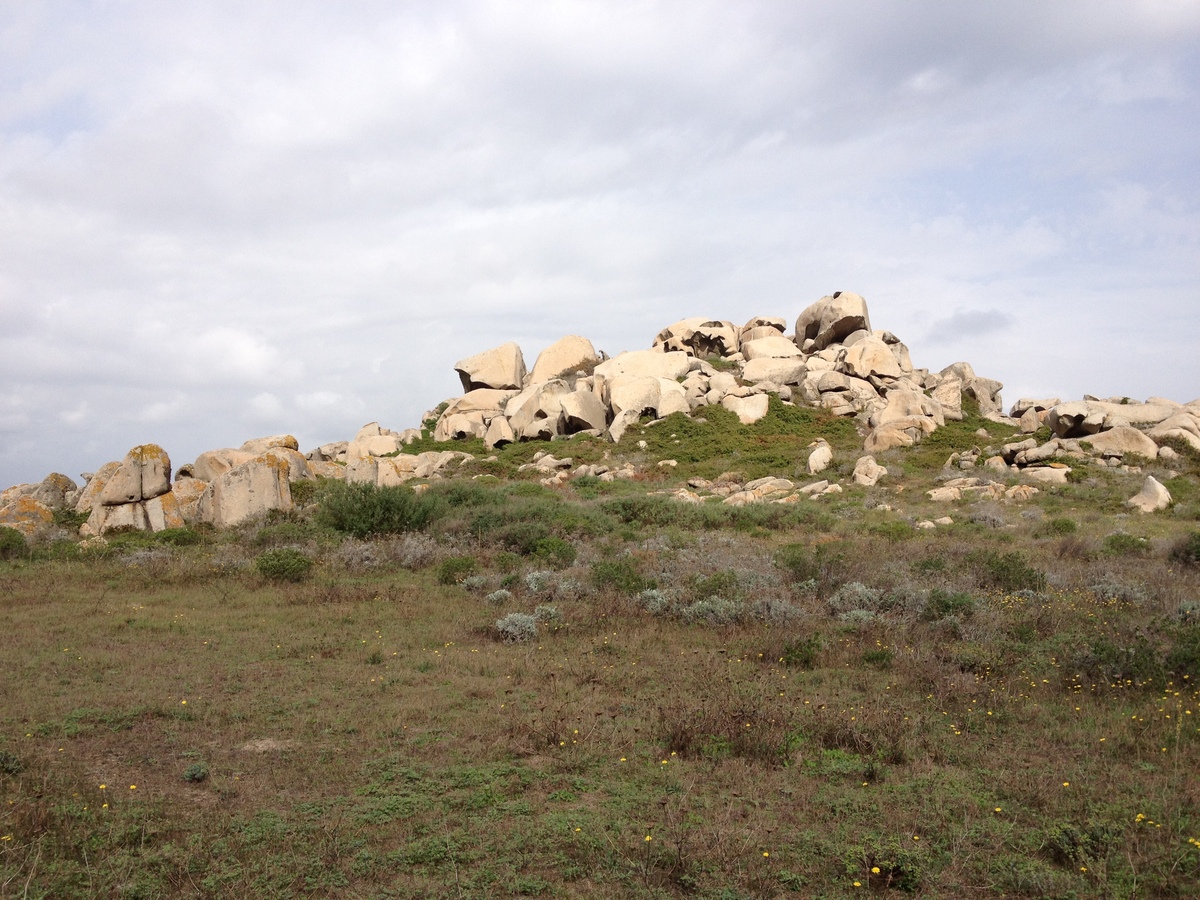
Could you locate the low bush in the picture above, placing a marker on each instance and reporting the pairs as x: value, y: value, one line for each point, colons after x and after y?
x: 456, y: 569
x: 803, y: 653
x: 499, y: 597
x: 363, y: 509
x: 12, y: 543
x: 1186, y: 551
x: 283, y: 564
x: 1121, y: 543
x: 944, y: 604
x: 554, y: 552
x: 516, y: 628
x: 1006, y: 571
x: 822, y: 564
x: 620, y: 575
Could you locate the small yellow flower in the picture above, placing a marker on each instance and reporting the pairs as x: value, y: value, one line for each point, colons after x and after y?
x: 649, y: 838
x: 858, y: 884
x: 1066, y: 784
x: 103, y: 786
x: 874, y: 870
x: 765, y: 854
x: 133, y: 787
x: 998, y: 809
x: 916, y: 837
x: 7, y: 837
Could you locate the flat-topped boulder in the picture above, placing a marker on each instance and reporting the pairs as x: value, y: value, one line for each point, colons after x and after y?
x: 565, y: 355
x: 501, y: 368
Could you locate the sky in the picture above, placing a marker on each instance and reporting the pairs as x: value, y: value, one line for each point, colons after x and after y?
x: 225, y: 220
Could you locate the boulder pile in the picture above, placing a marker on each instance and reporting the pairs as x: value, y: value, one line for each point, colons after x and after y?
x: 832, y: 359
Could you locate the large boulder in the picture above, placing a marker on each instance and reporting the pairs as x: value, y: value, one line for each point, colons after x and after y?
x: 260, y: 445
x: 654, y: 363
x: 773, y: 347
x: 212, y: 464
x: 700, y: 337
x: 1151, y: 498
x: 537, y: 413
x: 583, y: 411
x: 57, y: 491
x: 144, y: 474
x: 27, y: 515
x: 748, y: 409
x: 870, y: 356
x: 1123, y: 440
x: 761, y: 327
x: 562, y: 357
x: 90, y: 495
x: 371, y: 440
x: 831, y: 319
x: 501, y: 368
x: 246, y: 492
x: 779, y: 371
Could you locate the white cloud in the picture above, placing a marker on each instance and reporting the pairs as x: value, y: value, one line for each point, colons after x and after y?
x: 306, y: 213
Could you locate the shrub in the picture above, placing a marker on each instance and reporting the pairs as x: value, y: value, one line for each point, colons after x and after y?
x: 10, y: 763
x: 1060, y: 527
x: 821, y: 565
x: 1119, y: 592
x: 362, y: 509
x: 521, y: 537
x: 944, y: 604
x: 719, y: 584
x: 69, y: 519
x: 713, y: 611
x: 1184, y: 657
x: 517, y: 627
x: 547, y: 614
x: 498, y: 598
x: 1186, y: 551
x: 12, y: 543
x: 1007, y: 571
x: 856, y: 596
x: 304, y: 492
x: 283, y: 564
x: 554, y: 552
x: 620, y: 575
x: 180, y: 537
x: 475, y: 582
x: 653, y: 601
x: 539, y: 582
x: 1120, y: 543
x: 802, y: 654
x: 456, y: 569
x: 195, y: 773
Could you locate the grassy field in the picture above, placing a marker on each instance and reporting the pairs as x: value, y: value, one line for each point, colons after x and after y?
x: 597, y: 691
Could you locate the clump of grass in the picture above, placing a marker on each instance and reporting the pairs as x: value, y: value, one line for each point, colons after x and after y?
x: 620, y: 575
x: 1060, y: 527
x: 802, y: 653
x: 283, y: 564
x: 498, y: 597
x: 195, y: 773
x: 10, y: 763
x: 944, y: 604
x: 1121, y: 543
x: 653, y: 601
x: 717, y: 611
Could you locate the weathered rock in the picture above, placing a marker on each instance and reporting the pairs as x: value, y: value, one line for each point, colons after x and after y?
x: 27, y: 515
x: 188, y: 492
x: 460, y: 426
x: 641, y: 363
x: 762, y: 326
x: 501, y: 368
x: 1151, y: 498
x: 499, y: 432
x: 948, y: 395
x: 371, y: 440
x: 867, y: 472
x: 1026, y: 404
x: 747, y: 409
x: 90, y: 496
x: 820, y: 458
x: 246, y: 492
x: 1124, y: 440
x: 1047, y: 474
x: 831, y: 319
x: 163, y: 512
x: 700, y: 337
x: 56, y: 491
x: 261, y: 445
x: 145, y: 473
x: 212, y: 464
x: 773, y: 347
x: 870, y: 356
x: 776, y: 370
x: 583, y: 411
x: 566, y: 355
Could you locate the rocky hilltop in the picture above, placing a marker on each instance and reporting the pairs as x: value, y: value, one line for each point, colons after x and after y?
x: 832, y: 359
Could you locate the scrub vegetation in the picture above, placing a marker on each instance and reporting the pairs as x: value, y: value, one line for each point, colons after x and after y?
x: 496, y: 688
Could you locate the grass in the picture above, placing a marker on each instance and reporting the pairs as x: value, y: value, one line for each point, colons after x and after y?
x: 594, y: 691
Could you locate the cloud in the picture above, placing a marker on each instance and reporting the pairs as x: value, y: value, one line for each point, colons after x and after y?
x: 968, y: 324
x: 303, y: 214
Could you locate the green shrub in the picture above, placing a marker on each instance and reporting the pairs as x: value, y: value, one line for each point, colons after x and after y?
x: 12, y: 543
x: 455, y: 569
x: 69, y: 519
x: 1060, y: 526
x: 800, y: 565
x: 1184, y: 657
x: 283, y: 564
x: 363, y: 510
x: 620, y: 575
x: 179, y: 537
x: 195, y: 773
x: 498, y: 598
x: 522, y: 537
x: 802, y: 653
x: 1006, y: 571
x: 713, y: 611
x: 720, y: 584
x: 554, y: 552
x: 304, y: 492
x: 944, y: 604
x: 1120, y: 543
x: 10, y: 763
x: 1186, y: 551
